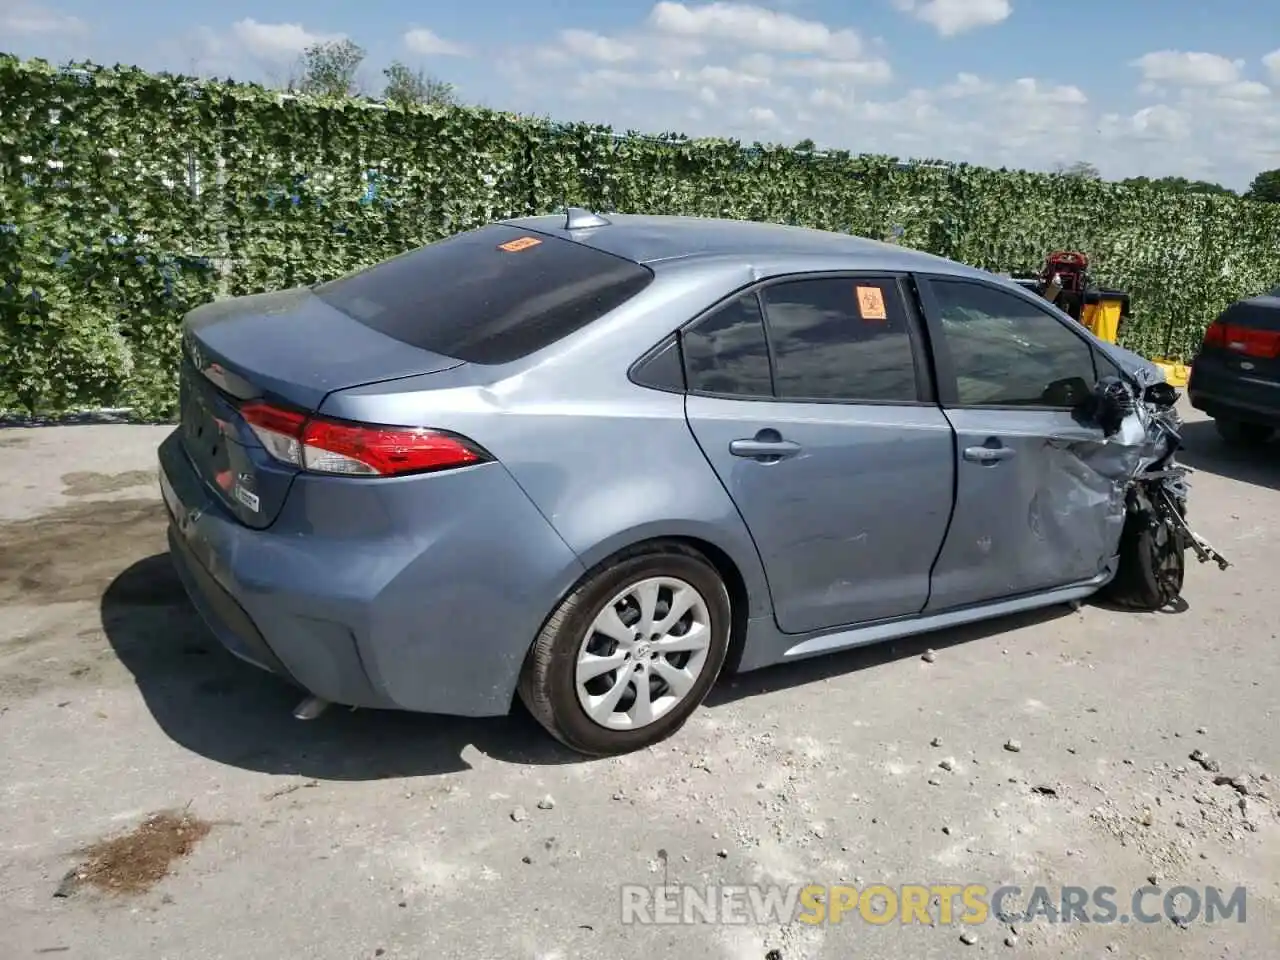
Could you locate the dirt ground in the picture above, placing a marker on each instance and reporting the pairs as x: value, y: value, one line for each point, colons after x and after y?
x: 1052, y: 749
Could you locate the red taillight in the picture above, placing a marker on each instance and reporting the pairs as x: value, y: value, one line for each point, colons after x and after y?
x: 355, y: 449
x: 331, y: 447
x: 279, y: 430
x: 1262, y: 344
x: 1216, y: 335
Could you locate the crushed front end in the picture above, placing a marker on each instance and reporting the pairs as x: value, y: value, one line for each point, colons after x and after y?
x: 1140, y: 420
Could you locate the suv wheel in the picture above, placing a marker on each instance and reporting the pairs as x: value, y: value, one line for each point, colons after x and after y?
x: 629, y: 655
x: 1242, y: 433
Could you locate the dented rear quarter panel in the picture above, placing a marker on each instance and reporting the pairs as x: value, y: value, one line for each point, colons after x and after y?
x: 608, y: 463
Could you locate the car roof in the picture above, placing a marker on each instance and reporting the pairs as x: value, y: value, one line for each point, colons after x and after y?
x: 652, y: 238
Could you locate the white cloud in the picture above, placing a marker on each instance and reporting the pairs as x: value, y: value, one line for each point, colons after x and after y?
x: 1029, y: 90
x: 276, y: 42
x: 1272, y: 62
x: 690, y: 44
x: 753, y: 26
x: 707, y: 82
x: 952, y: 17
x: 822, y: 97
x: 754, y: 74
x: 425, y: 43
x: 676, y: 50
x: 742, y: 70
x: 728, y: 78
x: 594, y: 46
x: 964, y: 85
x: 578, y: 45
x: 869, y: 71
x: 866, y: 71
x: 1160, y: 122
x: 1245, y: 90
x: 29, y: 19
x: 1188, y: 69
x: 606, y: 81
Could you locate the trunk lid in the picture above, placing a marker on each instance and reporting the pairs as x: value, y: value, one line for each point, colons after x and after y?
x: 287, y: 348
x: 1249, y: 343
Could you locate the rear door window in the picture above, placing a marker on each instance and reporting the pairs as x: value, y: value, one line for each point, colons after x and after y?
x: 726, y: 354
x: 843, y: 338
x: 487, y: 296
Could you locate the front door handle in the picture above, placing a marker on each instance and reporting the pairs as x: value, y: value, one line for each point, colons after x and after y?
x: 988, y: 456
x: 769, y: 450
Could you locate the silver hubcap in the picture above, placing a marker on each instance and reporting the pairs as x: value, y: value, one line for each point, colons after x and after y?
x: 643, y: 653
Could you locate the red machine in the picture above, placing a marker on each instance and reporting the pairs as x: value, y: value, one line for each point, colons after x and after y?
x: 1064, y: 279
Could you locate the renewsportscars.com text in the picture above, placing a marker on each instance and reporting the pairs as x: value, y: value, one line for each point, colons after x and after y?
x: 927, y: 904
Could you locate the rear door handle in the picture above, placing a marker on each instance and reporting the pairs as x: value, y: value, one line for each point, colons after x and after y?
x: 988, y: 455
x: 764, y: 449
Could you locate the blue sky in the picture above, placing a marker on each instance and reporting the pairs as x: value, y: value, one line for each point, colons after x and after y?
x: 1176, y: 87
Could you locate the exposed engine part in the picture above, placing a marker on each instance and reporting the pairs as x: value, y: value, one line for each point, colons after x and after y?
x: 1203, y: 550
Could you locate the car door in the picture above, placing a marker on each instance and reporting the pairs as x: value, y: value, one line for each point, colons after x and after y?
x: 821, y: 425
x: 1011, y: 376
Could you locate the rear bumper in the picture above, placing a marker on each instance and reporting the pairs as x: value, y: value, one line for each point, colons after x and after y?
x: 221, y: 613
x: 1229, y: 395
x: 420, y: 594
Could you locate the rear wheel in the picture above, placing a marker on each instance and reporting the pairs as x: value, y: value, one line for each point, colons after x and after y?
x: 631, y: 653
x: 1242, y: 433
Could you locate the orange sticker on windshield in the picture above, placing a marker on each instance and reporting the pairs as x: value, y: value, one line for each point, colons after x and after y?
x: 871, y: 303
x: 520, y: 243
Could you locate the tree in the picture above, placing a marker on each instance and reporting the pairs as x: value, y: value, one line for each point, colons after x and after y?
x: 329, y: 68
x: 1180, y: 185
x: 405, y: 87
x: 807, y: 145
x: 1265, y: 187
x: 1080, y: 170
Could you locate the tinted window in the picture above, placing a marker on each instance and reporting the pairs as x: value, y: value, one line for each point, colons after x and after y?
x: 662, y: 370
x: 1104, y: 366
x: 726, y: 352
x: 843, y: 339
x: 1006, y: 350
x: 487, y: 296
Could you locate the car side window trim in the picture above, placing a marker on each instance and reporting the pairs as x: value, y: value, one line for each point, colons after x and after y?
x: 944, y: 367
x: 639, y: 371
x: 768, y: 343
x: 921, y: 347
x: 926, y: 387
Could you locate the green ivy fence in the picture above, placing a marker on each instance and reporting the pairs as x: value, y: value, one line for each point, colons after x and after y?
x: 128, y: 198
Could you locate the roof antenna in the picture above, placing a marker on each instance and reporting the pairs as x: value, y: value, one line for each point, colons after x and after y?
x: 576, y: 218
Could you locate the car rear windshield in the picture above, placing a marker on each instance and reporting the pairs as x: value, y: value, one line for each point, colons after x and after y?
x: 487, y: 296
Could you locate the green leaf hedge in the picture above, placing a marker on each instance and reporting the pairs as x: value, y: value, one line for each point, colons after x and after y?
x: 127, y: 198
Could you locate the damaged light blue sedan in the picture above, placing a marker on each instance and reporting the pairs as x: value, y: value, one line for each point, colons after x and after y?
x: 594, y: 462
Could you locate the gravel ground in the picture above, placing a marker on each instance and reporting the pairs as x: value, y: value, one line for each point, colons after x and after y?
x: 158, y: 800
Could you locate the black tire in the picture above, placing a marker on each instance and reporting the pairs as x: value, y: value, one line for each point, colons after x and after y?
x: 1152, y: 564
x: 1241, y: 433
x: 548, y: 680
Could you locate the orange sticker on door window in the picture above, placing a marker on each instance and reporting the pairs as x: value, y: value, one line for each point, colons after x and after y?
x: 520, y: 243
x: 871, y: 303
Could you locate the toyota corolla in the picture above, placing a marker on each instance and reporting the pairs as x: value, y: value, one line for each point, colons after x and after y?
x: 595, y: 461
